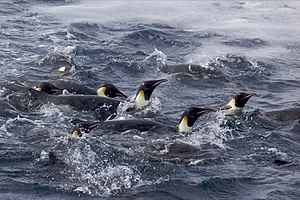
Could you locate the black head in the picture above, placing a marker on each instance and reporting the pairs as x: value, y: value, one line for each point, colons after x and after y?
x: 192, y: 114
x: 83, y: 127
x: 48, y: 88
x: 148, y: 87
x: 242, y: 98
x: 112, y: 91
x: 189, y: 117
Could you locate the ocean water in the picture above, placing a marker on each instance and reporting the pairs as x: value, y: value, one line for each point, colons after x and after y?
x: 230, y: 47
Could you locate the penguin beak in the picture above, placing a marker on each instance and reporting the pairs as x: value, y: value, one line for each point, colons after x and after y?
x: 248, y: 96
x: 157, y: 82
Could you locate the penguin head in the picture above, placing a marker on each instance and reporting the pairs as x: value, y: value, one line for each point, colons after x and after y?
x: 109, y: 90
x: 48, y: 88
x: 145, y: 91
x: 189, y: 117
x: 239, y: 101
x: 83, y: 127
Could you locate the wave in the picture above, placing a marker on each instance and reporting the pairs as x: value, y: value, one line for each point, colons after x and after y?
x: 285, y: 115
x: 246, y: 42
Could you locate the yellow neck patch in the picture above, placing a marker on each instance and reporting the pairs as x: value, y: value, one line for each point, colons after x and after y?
x: 38, y: 89
x: 232, y: 108
x: 62, y: 69
x: 75, y: 134
x: 101, y: 92
x: 183, y: 126
x: 231, y: 104
x: 140, y: 100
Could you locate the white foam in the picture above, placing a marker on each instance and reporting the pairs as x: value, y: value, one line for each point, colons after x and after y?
x: 97, y: 174
x: 44, y: 156
x: 2, y: 91
x: 4, y: 132
x: 66, y: 93
x: 70, y: 36
x: 212, y: 133
x: 69, y: 49
x: 102, y: 178
x: 277, y: 152
x: 51, y: 110
x: 160, y: 56
x: 275, y: 22
x: 66, y: 50
x: 12, y: 121
x: 153, y: 107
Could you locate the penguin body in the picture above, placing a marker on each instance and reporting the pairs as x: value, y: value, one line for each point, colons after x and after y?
x: 71, y: 87
x: 102, y: 107
x: 190, y: 69
x: 141, y: 125
x: 79, y: 102
x: 187, y: 121
x: 90, y: 102
x: 209, y: 73
x: 56, y: 87
x: 285, y: 115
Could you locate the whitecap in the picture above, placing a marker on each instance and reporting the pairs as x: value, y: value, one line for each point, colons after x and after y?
x: 160, y: 56
x: 213, y: 132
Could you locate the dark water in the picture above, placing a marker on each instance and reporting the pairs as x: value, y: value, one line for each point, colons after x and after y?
x: 242, y: 46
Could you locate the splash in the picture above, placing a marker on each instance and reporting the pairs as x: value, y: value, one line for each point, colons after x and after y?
x: 124, y: 108
x: 52, y: 110
x: 154, y: 107
x: 97, y: 174
x: 44, y: 156
x: 218, y: 131
x: 276, y: 151
x: 160, y: 57
x: 3, y: 91
x: 110, y: 180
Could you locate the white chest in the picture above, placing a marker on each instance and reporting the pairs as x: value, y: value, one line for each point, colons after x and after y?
x: 183, y: 126
x: 140, y: 100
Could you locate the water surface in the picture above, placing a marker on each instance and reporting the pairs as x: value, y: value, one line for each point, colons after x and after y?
x: 233, y: 46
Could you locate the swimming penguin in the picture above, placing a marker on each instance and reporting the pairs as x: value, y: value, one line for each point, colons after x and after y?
x: 60, y: 62
x: 145, y: 91
x: 238, y: 102
x: 103, y: 106
x: 189, y: 68
x: 206, y: 72
x: 56, y: 87
x: 187, y: 120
